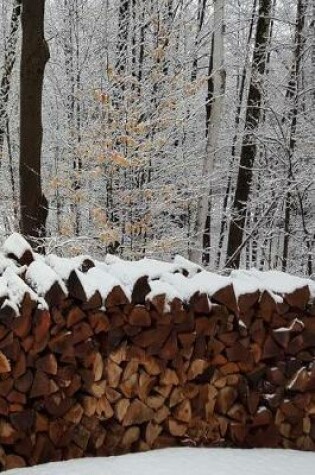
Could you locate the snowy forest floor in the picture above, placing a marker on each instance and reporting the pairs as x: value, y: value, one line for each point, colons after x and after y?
x: 186, y: 461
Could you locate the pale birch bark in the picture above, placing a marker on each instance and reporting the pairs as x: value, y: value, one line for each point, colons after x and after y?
x: 202, y: 224
x: 9, y: 61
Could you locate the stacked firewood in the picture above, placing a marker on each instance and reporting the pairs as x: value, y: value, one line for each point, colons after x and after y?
x: 87, y: 376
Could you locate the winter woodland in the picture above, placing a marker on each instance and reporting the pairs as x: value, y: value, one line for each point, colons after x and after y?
x: 170, y: 127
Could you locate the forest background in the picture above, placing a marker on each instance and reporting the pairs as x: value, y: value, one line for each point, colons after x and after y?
x: 171, y: 126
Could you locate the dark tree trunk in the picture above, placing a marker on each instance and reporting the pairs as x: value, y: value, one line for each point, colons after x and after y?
x: 249, y: 147
x: 241, y: 83
x: 241, y: 93
x: 123, y: 33
x: 292, y: 94
x: 35, y: 54
x: 206, y: 237
x: 200, y: 21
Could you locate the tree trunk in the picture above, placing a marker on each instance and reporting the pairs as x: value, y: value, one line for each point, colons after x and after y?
x: 213, y: 117
x: 249, y: 146
x: 72, y: 64
x: 241, y: 93
x: 200, y: 21
x: 35, y: 54
x: 293, y: 94
x: 9, y: 61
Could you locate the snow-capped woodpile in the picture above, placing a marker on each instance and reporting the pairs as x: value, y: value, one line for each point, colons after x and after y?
x: 106, y: 358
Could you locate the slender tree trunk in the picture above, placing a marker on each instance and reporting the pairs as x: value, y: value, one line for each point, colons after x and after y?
x: 12, y: 176
x: 200, y: 21
x: 312, y: 31
x: 241, y: 94
x: 122, y: 45
x: 249, y: 145
x: 293, y: 90
x: 216, y: 84
x: 287, y: 222
x: 9, y: 61
x: 72, y: 66
x: 35, y: 54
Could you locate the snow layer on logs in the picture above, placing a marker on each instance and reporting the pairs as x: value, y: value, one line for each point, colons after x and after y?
x: 25, y: 272
x: 41, y: 278
x: 16, y: 246
x: 274, y: 281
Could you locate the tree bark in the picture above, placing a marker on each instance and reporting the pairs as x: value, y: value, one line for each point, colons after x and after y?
x: 35, y: 54
x: 249, y: 146
x: 241, y: 93
x: 216, y: 84
x: 9, y: 61
x: 72, y: 65
x: 200, y: 21
x: 293, y: 94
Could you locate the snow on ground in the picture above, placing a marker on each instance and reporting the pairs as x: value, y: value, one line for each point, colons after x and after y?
x: 186, y: 461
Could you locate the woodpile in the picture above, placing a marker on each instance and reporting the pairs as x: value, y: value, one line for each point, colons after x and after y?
x: 89, y: 367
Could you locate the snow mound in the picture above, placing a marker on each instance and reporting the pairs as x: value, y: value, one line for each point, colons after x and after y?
x: 185, y: 461
x: 16, y: 246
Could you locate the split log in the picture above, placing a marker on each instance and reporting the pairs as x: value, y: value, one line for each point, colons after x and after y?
x: 139, y: 316
x: 5, y: 366
x: 140, y: 290
x: 137, y: 413
x: 152, y: 432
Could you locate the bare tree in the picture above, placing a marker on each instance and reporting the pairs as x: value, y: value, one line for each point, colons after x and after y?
x: 249, y: 144
x: 35, y: 54
x: 293, y: 94
x: 241, y: 90
x: 216, y: 84
x: 9, y: 61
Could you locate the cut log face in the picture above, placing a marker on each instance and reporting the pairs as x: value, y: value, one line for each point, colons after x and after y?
x: 116, y: 297
x: 196, y: 368
x: 271, y: 349
x: 42, y: 385
x: 299, y: 298
x: 152, y: 432
x: 170, y: 348
x: 139, y: 316
x: 247, y: 301
x: 200, y: 303
x: 140, y: 290
x: 5, y: 366
x: 282, y: 337
x: 238, y: 353
x: 176, y: 428
x: 75, y: 287
x: 149, y: 338
x: 267, y: 306
x: 14, y: 461
x: 225, y: 400
x: 114, y: 373
x: 55, y: 295
x: 121, y: 408
x: 183, y: 411
x: 226, y: 297
x: 48, y: 364
x: 23, y: 421
x: 137, y: 413
x: 131, y: 436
